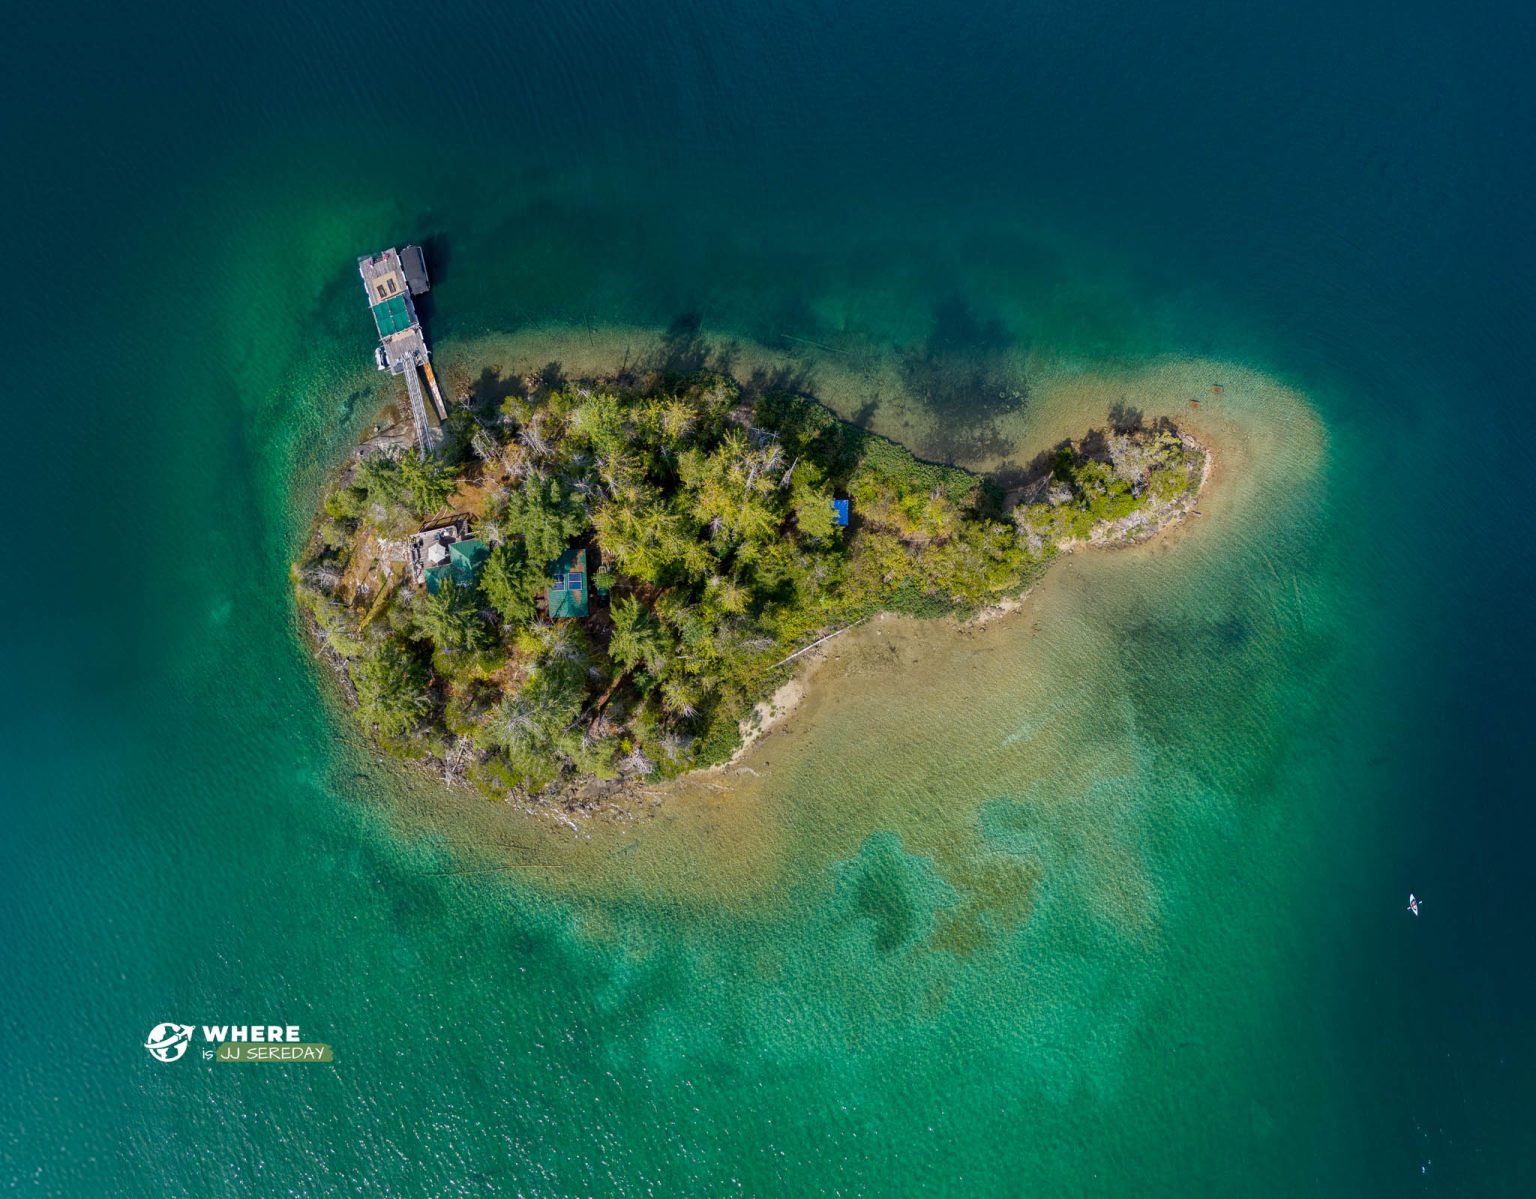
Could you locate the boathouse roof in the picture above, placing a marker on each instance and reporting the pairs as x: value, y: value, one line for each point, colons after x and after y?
x: 413, y: 263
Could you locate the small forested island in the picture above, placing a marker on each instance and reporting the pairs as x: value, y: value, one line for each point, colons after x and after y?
x: 591, y: 585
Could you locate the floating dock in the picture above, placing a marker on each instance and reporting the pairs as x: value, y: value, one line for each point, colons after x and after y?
x: 391, y: 278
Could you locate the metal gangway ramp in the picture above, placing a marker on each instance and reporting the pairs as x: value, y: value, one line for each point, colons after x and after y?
x: 426, y: 435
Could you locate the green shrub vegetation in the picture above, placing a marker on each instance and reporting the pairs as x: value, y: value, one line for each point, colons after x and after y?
x: 708, y: 522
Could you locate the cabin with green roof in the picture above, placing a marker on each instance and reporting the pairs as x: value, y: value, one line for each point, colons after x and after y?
x: 567, y: 592
x: 463, y: 564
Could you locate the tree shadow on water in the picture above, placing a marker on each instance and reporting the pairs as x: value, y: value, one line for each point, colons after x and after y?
x: 682, y: 352
x: 683, y: 349
x: 865, y: 416
x: 1125, y: 418
x: 490, y: 388
x: 793, y: 379
x: 958, y: 329
x: 962, y: 374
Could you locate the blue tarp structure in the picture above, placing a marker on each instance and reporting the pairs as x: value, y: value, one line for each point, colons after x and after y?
x: 840, y: 513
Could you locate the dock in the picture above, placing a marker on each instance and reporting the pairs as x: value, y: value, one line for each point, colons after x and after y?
x: 391, y: 278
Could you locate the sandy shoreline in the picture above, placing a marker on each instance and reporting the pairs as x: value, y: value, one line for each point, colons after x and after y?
x: 774, y: 711
x: 770, y: 713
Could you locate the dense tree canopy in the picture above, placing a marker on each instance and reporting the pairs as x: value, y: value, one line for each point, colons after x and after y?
x: 710, y: 523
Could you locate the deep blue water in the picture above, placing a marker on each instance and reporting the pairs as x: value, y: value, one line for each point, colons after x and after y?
x: 1338, y: 194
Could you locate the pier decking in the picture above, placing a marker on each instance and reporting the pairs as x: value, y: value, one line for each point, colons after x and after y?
x: 391, y: 278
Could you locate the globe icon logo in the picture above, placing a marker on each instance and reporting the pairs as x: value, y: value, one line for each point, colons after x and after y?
x: 167, y: 1042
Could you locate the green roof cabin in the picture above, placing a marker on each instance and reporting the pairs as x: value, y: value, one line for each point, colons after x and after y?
x: 462, y: 564
x: 567, y: 592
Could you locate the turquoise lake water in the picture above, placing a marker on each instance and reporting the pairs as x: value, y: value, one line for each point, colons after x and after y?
x: 1108, y: 901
